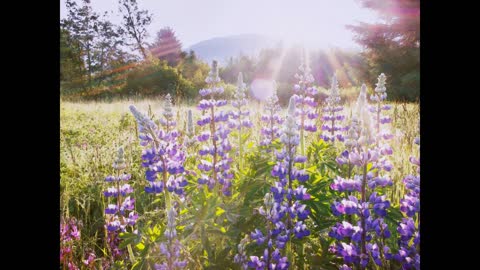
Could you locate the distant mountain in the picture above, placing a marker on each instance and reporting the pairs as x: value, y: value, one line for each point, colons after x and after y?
x: 222, y: 48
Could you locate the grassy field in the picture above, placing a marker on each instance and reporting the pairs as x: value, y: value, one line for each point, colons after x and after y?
x: 92, y: 132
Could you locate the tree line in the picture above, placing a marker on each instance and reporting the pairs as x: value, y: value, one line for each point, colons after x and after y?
x: 99, y: 59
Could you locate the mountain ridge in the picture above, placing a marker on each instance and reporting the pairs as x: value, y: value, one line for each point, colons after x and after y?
x: 222, y: 48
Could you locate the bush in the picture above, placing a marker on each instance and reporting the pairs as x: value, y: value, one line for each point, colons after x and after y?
x: 156, y: 78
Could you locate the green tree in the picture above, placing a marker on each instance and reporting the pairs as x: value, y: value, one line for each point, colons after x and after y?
x: 135, y: 22
x: 392, y: 46
x: 193, y: 69
x: 71, y: 62
x: 167, y: 47
x: 81, y: 24
x: 156, y: 78
x: 72, y: 66
x: 109, y: 54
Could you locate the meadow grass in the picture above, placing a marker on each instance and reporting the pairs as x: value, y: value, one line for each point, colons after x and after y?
x: 91, y: 133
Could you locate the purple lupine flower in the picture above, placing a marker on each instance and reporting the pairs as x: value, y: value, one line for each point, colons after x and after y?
x: 167, y: 113
x: 272, y: 119
x: 171, y: 249
x: 363, y: 148
x: 241, y: 257
x: 282, y: 209
x: 300, y: 230
x: 119, y: 213
x: 341, y: 184
x: 301, y: 193
x: 380, y: 181
x: 256, y: 263
x: 332, y: 118
x: 240, y: 116
x: 305, y: 103
x: 380, y: 118
x: 258, y: 236
x: 215, y: 162
x: 409, y: 227
x: 162, y: 151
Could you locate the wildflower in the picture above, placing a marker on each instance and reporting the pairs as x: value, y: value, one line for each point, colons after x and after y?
x: 215, y: 164
x: 333, y: 117
x: 171, y: 249
x: 119, y: 212
x: 409, y: 227
x: 282, y: 209
x: 272, y: 119
x: 69, y: 235
x: 357, y: 244
x: 303, y: 97
x: 162, y: 152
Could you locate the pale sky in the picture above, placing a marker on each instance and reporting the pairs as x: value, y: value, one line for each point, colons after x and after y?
x: 314, y: 23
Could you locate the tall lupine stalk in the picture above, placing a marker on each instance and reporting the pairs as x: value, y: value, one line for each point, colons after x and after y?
x: 120, y: 212
x: 282, y: 207
x: 215, y: 162
x: 378, y: 98
x: 171, y: 249
x: 241, y: 257
x: 306, y: 105
x: 69, y: 235
x: 357, y: 244
x: 333, y: 117
x: 409, y: 228
x: 272, y: 120
x: 383, y: 165
x: 167, y: 122
x: 240, y: 116
x: 163, y: 157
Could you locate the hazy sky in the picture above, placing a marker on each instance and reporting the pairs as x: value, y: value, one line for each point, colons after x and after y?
x: 315, y: 23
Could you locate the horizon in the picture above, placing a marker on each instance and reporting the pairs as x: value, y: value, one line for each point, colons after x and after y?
x: 329, y: 24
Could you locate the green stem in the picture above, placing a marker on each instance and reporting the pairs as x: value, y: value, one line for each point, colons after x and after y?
x: 364, y: 233
x: 240, y: 148
x: 168, y: 203
x: 302, y: 142
x: 289, y: 218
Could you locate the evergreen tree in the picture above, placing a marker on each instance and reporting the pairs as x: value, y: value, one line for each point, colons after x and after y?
x: 167, y: 46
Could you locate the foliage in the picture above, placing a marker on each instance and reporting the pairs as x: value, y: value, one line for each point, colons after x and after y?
x: 166, y: 46
x: 156, y: 78
x: 135, y: 23
x: 392, y: 46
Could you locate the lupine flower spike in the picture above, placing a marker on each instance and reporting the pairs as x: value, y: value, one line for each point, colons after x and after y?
x: 240, y: 116
x: 304, y: 98
x: 409, y: 228
x: 215, y: 162
x: 120, y: 214
x: 282, y: 209
x: 272, y: 120
x: 378, y: 99
x: 361, y: 236
x: 333, y: 117
x: 171, y: 249
x: 163, y: 157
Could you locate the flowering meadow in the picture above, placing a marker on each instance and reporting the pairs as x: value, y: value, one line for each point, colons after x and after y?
x: 232, y: 182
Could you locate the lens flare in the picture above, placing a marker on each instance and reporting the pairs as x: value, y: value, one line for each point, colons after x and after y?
x: 261, y: 89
